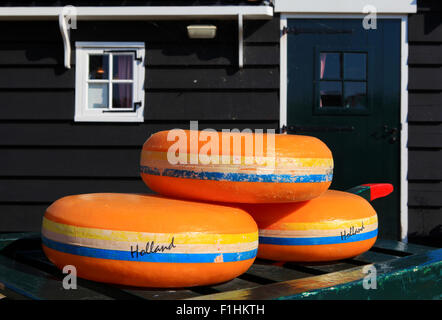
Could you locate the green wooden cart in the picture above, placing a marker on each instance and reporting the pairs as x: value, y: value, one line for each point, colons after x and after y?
x: 402, y: 271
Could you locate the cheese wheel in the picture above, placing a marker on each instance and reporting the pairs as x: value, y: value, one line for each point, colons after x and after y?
x: 149, y: 241
x: 259, y: 168
x: 336, y: 225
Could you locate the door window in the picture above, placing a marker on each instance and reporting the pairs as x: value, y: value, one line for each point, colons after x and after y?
x: 342, y: 82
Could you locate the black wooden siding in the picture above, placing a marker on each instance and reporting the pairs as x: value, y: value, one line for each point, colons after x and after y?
x: 425, y: 122
x: 45, y: 155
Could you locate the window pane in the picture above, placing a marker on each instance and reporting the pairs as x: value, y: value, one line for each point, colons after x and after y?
x: 122, y: 66
x: 122, y: 95
x: 330, y: 94
x: 98, y: 66
x: 98, y: 95
x: 355, y: 66
x: 330, y: 66
x: 355, y: 94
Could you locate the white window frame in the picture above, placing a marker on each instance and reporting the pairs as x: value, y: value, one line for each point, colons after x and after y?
x: 82, y: 112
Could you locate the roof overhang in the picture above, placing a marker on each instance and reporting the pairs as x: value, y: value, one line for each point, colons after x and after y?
x: 63, y: 15
x: 346, y: 6
x: 140, y: 13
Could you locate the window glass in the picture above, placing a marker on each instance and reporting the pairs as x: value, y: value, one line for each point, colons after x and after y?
x: 330, y: 65
x: 122, y: 66
x: 355, y: 66
x: 98, y: 95
x: 122, y: 95
x: 98, y: 66
x: 355, y: 94
x: 330, y: 94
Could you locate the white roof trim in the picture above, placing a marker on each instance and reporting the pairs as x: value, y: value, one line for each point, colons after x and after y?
x: 346, y: 6
x: 139, y: 13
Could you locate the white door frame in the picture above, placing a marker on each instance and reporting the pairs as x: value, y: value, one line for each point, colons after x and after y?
x: 403, y: 98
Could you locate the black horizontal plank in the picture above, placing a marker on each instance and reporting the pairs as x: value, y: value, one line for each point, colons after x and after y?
x: 31, y: 190
x: 428, y: 135
x: 57, y: 77
x: 208, y: 78
x: 157, y: 54
x: 425, y: 27
x: 425, y: 113
x: 30, y: 31
x: 425, y: 5
x: 34, y: 134
x: 54, y: 77
x: 21, y: 191
x: 31, y: 54
x: 262, y: 30
x: 425, y: 222
x: 160, y: 105
x: 21, y: 217
x: 423, y: 54
x: 150, y: 31
x: 424, y: 164
x: 37, y: 105
x: 210, y: 54
x: 421, y: 99
x: 219, y: 106
x: 425, y: 106
x: 174, y: 31
x: 78, y: 162
x: 425, y: 78
x: 425, y: 193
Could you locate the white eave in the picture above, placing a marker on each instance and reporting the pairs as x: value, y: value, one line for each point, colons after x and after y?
x: 137, y: 13
x: 140, y: 13
x: 345, y: 6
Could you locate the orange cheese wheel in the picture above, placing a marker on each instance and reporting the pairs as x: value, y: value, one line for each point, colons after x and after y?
x: 259, y: 168
x: 336, y: 225
x: 149, y: 241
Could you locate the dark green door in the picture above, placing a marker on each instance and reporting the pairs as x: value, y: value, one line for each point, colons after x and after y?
x: 343, y: 86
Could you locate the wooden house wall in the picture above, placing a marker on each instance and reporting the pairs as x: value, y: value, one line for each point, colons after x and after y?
x: 425, y: 122
x: 45, y: 155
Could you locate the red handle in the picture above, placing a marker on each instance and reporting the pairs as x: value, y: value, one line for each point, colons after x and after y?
x: 372, y: 191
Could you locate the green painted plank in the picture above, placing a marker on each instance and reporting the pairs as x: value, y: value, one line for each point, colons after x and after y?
x: 7, y: 238
x: 11, y: 295
x: 36, y: 284
x: 374, y: 257
x: 235, y: 284
x: 413, y: 277
x: 401, y: 246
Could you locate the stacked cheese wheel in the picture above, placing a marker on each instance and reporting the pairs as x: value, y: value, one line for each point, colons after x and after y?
x: 203, y: 227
